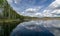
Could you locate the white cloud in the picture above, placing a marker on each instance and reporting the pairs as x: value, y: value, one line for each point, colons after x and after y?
x: 58, y: 1
x: 56, y: 11
x: 51, y: 11
x: 32, y: 10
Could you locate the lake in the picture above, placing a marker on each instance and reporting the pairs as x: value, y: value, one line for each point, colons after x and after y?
x: 37, y: 28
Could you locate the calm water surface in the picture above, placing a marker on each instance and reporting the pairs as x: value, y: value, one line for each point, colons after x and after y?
x: 44, y: 27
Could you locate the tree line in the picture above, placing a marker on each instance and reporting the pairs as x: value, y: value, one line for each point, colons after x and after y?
x: 8, y: 12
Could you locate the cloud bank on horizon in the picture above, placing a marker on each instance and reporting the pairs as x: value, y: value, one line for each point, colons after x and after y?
x: 36, y: 8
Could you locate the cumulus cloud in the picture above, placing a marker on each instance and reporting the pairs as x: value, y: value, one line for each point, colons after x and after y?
x: 53, y: 10
x: 33, y: 10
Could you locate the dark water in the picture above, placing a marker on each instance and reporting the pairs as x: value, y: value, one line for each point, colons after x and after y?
x: 1, y: 31
x: 37, y: 28
x: 6, y: 28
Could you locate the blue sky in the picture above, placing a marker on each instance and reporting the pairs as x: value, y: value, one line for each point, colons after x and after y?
x: 36, y: 8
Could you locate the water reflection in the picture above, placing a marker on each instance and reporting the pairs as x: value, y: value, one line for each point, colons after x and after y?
x: 38, y: 28
x: 1, y: 31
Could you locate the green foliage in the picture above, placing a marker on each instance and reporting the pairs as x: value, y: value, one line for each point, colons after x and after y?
x: 10, y: 18
x: 9, y: 13
x: 1, y: 1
